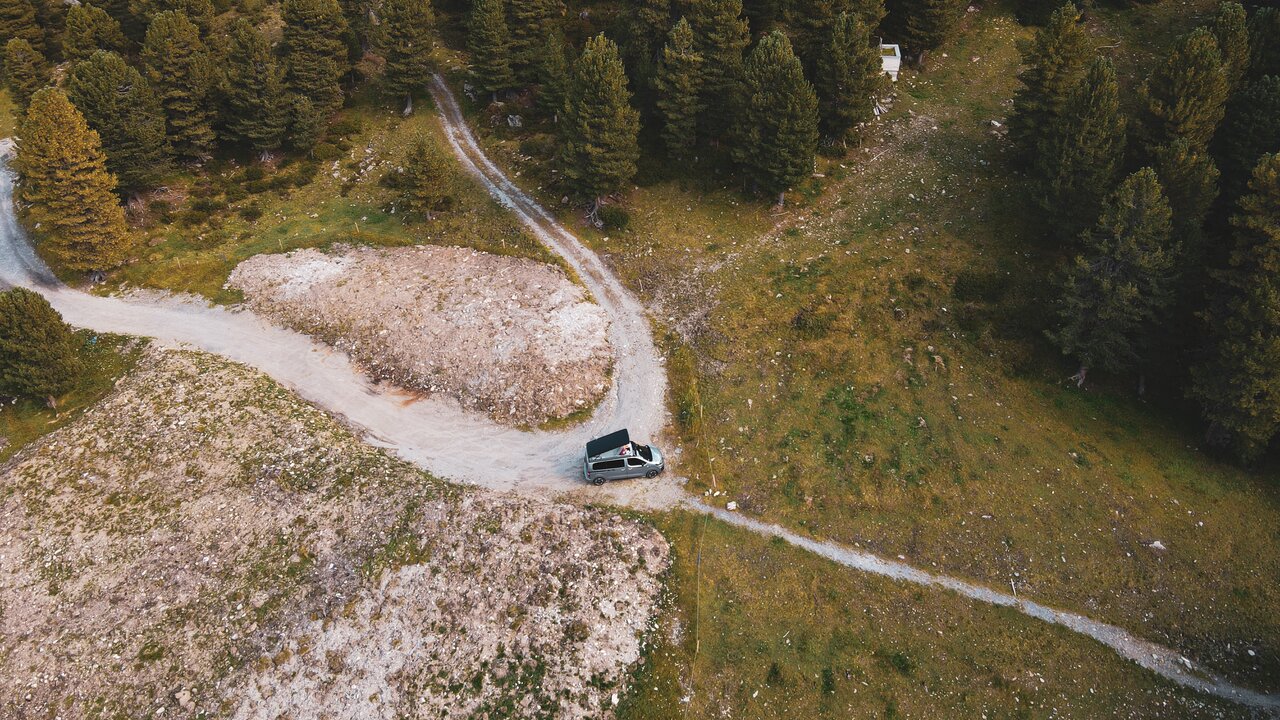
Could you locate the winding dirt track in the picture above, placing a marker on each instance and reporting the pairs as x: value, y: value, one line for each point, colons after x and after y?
x: 440, y: 437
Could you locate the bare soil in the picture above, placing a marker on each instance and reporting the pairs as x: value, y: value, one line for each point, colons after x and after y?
x: 202, y: 543
x: 510, y: 337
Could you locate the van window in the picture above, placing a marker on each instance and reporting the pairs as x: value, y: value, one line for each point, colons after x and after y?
x: 634, y: 462
x: 646, y: 453
x: 607, y: 465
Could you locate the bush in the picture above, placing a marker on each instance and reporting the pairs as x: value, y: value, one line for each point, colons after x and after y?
x: 614, y: 218
x: 326, y: 151
x: 254, y: 172
x: 346, y: 127
x: 208, y: 206
x: 38, y: 353
x: 236, y: 192
x: 974, y: 286
x: 539, y: 146
x: 251, y: 212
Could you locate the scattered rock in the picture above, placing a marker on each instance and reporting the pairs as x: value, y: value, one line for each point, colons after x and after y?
x: 732, y: 506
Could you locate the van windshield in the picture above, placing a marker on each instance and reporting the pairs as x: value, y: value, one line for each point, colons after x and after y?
x: 645, y: 452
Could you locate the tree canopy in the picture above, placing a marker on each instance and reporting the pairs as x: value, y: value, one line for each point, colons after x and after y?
x: 38, y: 352
x: 598, y: 151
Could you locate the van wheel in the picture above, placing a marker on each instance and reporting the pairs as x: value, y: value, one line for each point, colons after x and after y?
x: 651, y: 474
x: 597, y: 480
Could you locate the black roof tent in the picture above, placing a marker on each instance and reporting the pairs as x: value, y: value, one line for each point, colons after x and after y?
x: 612, y: 441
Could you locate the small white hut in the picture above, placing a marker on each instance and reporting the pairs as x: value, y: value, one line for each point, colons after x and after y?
x: 891, y: 60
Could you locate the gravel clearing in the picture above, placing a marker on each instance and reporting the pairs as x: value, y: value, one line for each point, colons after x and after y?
x: 203, y: 543
x: 510, y: 337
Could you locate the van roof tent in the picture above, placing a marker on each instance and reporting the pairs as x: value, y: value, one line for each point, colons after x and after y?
x: 612, y: 441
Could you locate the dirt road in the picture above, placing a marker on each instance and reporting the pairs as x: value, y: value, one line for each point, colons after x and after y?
x: 464, y: 446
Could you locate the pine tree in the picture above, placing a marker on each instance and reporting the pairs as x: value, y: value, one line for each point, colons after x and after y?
x: 408, y: 37
x: 1079, y: 159
x: 1117, y: 289
x: 133, y: 26
x: 489, y: 42
x: 553, y: 73
x: 1055, y: 62
x: 1250, y: 129
x: 780, y: 125
x: 18, y: 22
x: 199, y: 12
x: 1231, y: 29
x: 1238, y: 384
x: 316, y: 52
x: 305, y: 123
x: 720, y: 37
x: 650, y: 23
x: 428, y: 181
x: 598, y: 150
x: 531, y: 21
x: 119, y: 104
x: 924, y: 25
x: 88, y: 30
x: 679, y: 102
x: 812, y: 24
x: 180, y: 70
x: 69, y: 195
x: 1186, y: 96
x: 848, y: 77
x: 38, y: 352
x: 1190, y: 181
x: 1264, y: 47
x: 256, y: 108
x: 25, y: 72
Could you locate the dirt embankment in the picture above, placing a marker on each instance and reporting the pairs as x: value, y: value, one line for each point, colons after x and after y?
x: 510, y: 337
x: 204, y: 544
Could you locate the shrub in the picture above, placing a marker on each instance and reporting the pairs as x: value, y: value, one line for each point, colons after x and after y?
x: 38, y: 353
x: 236, y: 192
x: 253, y: 172
x: 346, y: 127
x: 613, y: 217
x: 326, y: 151
x: 251, y: 212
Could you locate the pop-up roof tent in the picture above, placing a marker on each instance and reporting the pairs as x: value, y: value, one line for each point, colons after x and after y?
x: 608, y: 444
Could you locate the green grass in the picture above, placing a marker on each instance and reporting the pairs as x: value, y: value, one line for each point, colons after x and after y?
x: 755, y: 628
x: 813, y: 335
x: 353, y: 208
x: 106, y: 358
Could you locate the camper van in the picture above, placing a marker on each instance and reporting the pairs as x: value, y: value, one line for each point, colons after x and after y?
x: 616, y: 457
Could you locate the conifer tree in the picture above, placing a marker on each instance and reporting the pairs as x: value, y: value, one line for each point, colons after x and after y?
x: 531, y: 21
x: 25, y: 72
x: 1238, y: 384
x: 1186, y: 96
x: 89, y: 29
x: 199, y: 12
x: 1055, y: 62
x: 1079, y: 159
x: 780, y: 124
x: 316, y: 52
x: 408, y: 36
x: 1117, y: 289
x: 119, y: 104
x: 650, y: 22
x: 1250, y: 129
x: 848, y: 77
x: 812, y: 23
x: 553, y: 73
x: 69, y: 195
x: 305, y: 123
x: 489, y: 42
x: 133, y: 26
x: 18, y: 22
x: 256, y: 107
x: 598, y: 150
x: 1190, y: 181
x: 923, y: 25
x: 181, y: 72
x: 1230, y: 27
x: 38, y: 352
x: 679, y: 102
x: 1264, y: 42
x: 720, y: 37
x: 428, y: 181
